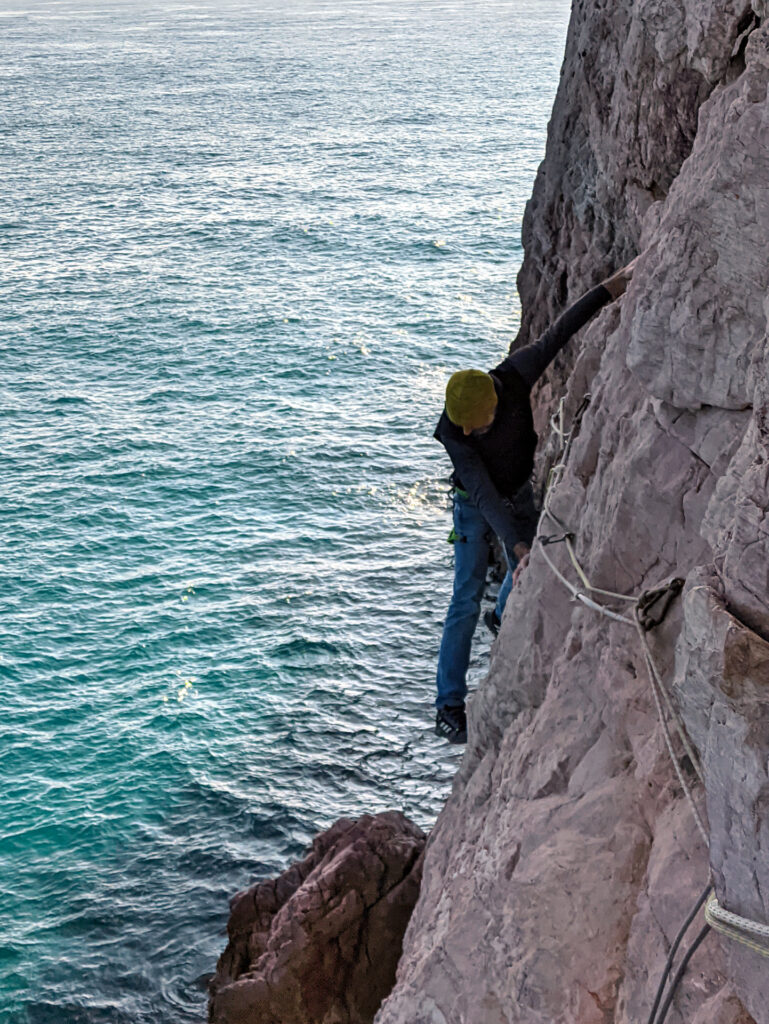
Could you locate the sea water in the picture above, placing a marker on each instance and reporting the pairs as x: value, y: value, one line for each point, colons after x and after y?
x: 242, y: 246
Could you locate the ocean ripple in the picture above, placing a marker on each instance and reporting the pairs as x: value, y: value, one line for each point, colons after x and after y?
x: 243, y: 247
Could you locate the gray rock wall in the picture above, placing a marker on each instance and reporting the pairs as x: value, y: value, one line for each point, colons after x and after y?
x: 566, y: 858
x: 635, y: 74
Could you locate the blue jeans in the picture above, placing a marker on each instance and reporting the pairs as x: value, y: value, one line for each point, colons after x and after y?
x: 471, y: 562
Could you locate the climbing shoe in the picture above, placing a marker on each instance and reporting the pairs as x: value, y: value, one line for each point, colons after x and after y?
x: 491, y: 621
x: 451, y: 724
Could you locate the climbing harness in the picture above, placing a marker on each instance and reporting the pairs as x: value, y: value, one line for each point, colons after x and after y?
x: 454, y: 537
x: 649, y: 610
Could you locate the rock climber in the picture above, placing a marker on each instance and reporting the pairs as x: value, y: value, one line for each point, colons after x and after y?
x: 488, y: 431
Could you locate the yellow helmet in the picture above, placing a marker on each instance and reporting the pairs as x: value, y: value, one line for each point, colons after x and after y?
x: 471, y: 398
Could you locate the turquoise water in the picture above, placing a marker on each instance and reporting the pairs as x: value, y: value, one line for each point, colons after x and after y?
x: 242, y: 247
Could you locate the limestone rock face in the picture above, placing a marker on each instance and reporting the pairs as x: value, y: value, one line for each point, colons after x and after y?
x: 567, y: 856
x: 635, y: 75
x: 319, y: 944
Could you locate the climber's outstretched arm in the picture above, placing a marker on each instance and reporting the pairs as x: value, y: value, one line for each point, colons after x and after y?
x: 532, y: 361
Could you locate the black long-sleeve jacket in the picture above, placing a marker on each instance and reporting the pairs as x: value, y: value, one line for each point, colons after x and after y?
x: 494, y: 465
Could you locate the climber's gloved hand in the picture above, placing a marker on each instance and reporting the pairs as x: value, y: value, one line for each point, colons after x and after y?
x: 617, y: 283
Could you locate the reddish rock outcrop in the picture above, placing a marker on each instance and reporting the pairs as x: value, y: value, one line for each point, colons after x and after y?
x: 320, y: 944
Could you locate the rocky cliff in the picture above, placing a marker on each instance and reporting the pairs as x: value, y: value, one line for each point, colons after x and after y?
x: 568, y: 856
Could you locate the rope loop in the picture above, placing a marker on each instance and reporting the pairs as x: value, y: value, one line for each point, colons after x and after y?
x: 650, y: 610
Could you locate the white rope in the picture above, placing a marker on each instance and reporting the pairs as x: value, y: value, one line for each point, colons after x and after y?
x: 558, y: 427
x: 718, y: 913
x: 731, y: 925
x: 586, y: 581
x: 579, y: 596
x: 653, y: 676
x: 553, y: 477
x: 659, y: 690
x: 678, y: 721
